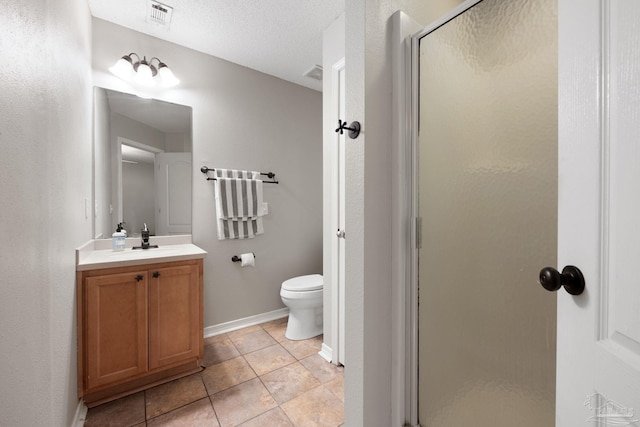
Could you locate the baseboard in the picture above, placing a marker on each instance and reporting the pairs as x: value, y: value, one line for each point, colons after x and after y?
x: 233, y: 325
x: 326, y: 353
x: 80, y: 416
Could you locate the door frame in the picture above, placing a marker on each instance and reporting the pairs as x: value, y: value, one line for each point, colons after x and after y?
x: 337, y: 195
x: 333, y: 60
x: 339, y: 93
x: 404, y: 384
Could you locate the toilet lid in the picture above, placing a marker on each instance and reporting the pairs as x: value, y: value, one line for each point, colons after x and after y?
x: 311, y: 282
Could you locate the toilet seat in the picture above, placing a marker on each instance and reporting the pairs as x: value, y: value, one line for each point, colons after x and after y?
x: 311, y: 282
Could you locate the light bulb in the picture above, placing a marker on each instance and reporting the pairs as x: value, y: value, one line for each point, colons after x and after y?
x: 144, y: 75
x: 167, y: 77
x: 123, y: 68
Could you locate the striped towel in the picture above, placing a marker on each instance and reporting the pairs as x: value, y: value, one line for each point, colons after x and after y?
x: 239, y: 198
x: 233, y: 173
x: 239, y: 229
x: 238, y: 208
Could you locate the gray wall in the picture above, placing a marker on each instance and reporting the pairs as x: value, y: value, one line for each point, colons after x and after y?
x: 242, y: 119
x: 45, y: 135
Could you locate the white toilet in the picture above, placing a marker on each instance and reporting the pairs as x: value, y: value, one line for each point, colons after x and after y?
x: 303, y: 296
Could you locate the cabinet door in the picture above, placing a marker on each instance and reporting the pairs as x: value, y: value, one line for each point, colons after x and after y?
x: 116, y: 321
x: 174, y: 315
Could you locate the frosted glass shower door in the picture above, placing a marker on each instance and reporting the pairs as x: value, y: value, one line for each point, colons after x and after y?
x: 487, y: 197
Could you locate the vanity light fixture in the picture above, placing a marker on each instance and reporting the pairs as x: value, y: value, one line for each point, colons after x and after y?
x: 143, y: 72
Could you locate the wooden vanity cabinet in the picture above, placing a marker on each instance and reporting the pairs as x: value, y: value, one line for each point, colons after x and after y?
x: 137, y: 327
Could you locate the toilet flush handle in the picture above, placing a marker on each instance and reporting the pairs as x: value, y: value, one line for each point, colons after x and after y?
x: 340, y: 234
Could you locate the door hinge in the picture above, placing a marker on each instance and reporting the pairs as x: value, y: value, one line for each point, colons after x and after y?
x: 418, y: 232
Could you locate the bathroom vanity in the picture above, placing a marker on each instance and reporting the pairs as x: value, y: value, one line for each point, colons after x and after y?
x: 139, y: 316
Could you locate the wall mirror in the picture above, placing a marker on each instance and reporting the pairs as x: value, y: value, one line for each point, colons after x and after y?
x: 142, y: 165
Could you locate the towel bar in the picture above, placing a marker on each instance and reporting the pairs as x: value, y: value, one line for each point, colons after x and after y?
x: 270, y: 175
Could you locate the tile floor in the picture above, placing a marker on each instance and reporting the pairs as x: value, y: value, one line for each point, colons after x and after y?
x: 253, y: 377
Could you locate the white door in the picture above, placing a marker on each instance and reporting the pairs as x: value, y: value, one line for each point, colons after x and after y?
x: 334, y: 234
x: 173, y: 193
x: 598, y: 349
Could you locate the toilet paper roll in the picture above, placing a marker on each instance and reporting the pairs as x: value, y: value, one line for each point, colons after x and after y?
x: 248, y: 259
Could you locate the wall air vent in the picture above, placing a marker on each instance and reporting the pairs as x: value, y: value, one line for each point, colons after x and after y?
x: 159, y: 13
x: 314, y: 73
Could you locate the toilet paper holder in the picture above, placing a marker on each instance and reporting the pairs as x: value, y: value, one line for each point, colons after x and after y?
x: 236, y: 258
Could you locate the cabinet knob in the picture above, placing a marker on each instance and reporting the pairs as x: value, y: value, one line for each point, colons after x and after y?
x: 139, y: 277
x: 156, y: 274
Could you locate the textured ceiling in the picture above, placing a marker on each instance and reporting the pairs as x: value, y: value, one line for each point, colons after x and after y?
x: 282, y: 38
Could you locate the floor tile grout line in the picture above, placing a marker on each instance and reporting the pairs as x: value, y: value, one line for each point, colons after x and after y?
x: 273, y: 345
x: 260, y: 376
x: 145, y: 406
x: 320, y: 384
x: 250, y: 367
x: 214, y: 410
x: 177, y: 407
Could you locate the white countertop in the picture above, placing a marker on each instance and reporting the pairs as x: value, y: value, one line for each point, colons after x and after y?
x: 97, y: 254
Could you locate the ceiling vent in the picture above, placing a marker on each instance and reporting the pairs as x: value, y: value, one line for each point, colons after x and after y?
x: 159, y: 13
x: 315, y: 73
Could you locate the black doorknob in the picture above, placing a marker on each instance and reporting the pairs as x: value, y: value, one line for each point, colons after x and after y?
x: 571, y: 278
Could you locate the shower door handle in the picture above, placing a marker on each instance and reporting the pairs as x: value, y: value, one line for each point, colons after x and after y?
x: 571, y: 278
x: 340, y: 234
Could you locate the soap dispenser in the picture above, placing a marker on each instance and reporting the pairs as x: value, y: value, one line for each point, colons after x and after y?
x: 118, y: 239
